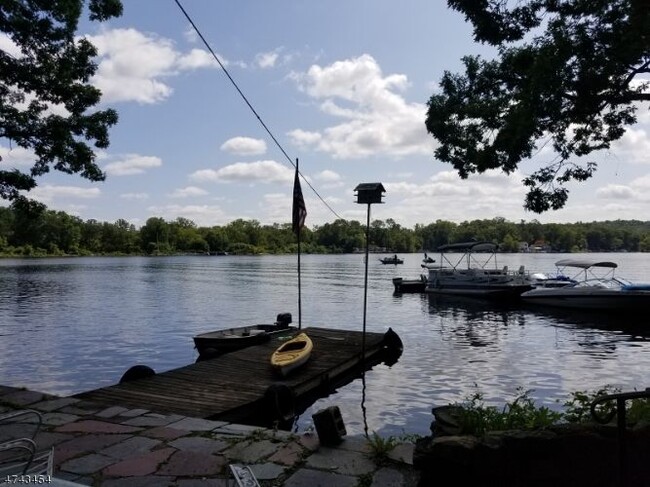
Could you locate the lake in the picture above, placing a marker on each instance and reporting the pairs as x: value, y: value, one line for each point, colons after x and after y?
x: 73, y: 324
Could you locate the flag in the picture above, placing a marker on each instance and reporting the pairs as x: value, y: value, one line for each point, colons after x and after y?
x: 299, y: 209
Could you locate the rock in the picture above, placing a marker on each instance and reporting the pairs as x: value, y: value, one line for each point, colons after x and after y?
x: 565, y: 455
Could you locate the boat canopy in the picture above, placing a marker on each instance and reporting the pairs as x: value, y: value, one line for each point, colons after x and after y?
x: 585, y: 264
x: 469, y: 247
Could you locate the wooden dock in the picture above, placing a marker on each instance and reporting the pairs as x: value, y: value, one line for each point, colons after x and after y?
x: 242, y: 387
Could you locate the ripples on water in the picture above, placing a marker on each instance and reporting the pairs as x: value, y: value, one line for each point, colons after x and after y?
x: 69, y: 325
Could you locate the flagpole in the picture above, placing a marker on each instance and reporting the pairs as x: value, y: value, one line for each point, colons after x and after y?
x: 299, y: 287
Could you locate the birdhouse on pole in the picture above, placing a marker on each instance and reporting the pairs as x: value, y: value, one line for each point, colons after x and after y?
x: 369, y: 193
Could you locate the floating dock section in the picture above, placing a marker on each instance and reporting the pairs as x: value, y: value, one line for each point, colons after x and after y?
x: 242, y: 387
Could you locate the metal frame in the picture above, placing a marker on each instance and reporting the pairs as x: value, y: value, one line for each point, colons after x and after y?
x: 243, y: 476
x: 621, y: 423
x: 20, y: 456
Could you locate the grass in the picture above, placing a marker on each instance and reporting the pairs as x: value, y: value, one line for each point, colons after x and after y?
x: 380, y: 447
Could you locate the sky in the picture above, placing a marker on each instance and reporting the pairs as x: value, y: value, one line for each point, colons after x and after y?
x: 341, y: 85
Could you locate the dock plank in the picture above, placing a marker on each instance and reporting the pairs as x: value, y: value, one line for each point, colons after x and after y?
x: 234, y: 385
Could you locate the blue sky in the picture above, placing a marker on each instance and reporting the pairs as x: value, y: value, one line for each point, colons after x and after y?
x: 343, y: 87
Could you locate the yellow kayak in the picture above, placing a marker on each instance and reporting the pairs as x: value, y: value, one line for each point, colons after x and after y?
x: 292, y: 354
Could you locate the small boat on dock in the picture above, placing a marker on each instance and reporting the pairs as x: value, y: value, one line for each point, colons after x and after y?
x: 292, y: 354
x: 218, y: 342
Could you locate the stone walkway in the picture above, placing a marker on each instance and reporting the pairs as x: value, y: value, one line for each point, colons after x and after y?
x: 117, y: 446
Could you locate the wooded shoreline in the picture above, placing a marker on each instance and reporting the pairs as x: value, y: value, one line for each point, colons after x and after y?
x: 36, y: 231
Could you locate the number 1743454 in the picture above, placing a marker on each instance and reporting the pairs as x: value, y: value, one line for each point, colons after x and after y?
x: 28, y: 479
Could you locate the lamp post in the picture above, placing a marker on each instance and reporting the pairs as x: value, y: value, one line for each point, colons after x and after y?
x: 367, y: 193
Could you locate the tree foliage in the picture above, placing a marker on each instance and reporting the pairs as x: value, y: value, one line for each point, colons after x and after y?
x: 568, y: 73
x: 29, y: 228
x: 46, y: 101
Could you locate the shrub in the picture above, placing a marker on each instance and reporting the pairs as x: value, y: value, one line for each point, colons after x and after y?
x: 475, y: 418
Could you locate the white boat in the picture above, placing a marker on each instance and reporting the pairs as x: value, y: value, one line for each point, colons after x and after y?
x: 594, y: 290
x: 473, y: 274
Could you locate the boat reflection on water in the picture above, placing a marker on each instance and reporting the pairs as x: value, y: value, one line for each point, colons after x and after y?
x: 475, y: 309
x: 474, y: 314
x: 636, y: 328
x: 475, y: 322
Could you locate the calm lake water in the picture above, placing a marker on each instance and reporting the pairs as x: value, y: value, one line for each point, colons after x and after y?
x: 70, y: 325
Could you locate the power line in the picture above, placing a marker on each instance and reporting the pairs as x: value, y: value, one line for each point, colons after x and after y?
x: 268, y: 131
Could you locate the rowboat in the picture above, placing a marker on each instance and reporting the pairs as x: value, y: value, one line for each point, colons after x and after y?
x: 292, y: 354
x: 218, y: 342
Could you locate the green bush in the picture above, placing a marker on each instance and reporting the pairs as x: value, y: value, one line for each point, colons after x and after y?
x: 475, y: 418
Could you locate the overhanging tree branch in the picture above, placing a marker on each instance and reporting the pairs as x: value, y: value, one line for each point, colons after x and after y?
x: 54, y: 68
x: 572, y: 82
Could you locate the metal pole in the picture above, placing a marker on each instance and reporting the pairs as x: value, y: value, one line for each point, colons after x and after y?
x: 622, y: 441
x: 365, y: 288
x: 299, y: 288
x: 363, y: 336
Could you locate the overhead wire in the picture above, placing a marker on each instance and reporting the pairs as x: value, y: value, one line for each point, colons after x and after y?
x: 248, y: 103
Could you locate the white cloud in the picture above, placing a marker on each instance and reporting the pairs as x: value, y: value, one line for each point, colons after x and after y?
x: 451, y: 198
x: 132, y: 164
x: 330, y: 179
x: 190, y: 34
x: 48, y: 192
x: 16, y: 157
x: 633, y: 147
x: 642, y: 183
x: 327, y: 176
x: 616, y: 191
x: 375, y: 119
x: 267, y: 60
x: 305, y: 138
x: 247, y: 172
x: 9, y: 46
x: 134, y: 196
x: 133, y: 65
x: 188, y: 192
x: 244, y: 146
x: 276, y: 208
x: 643, y: 115
x: 197, y: 58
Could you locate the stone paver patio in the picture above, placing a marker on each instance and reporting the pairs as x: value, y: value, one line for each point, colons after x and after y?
x: 116, y: 446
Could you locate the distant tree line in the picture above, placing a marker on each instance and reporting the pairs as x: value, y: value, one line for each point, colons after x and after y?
x: 28, y: 228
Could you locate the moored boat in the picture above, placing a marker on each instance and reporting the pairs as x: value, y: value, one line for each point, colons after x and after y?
x: 476, y: 277
x: 410, y: 285
x: 292, y: 354
x: 227, y: 340
x: 604, y: 292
